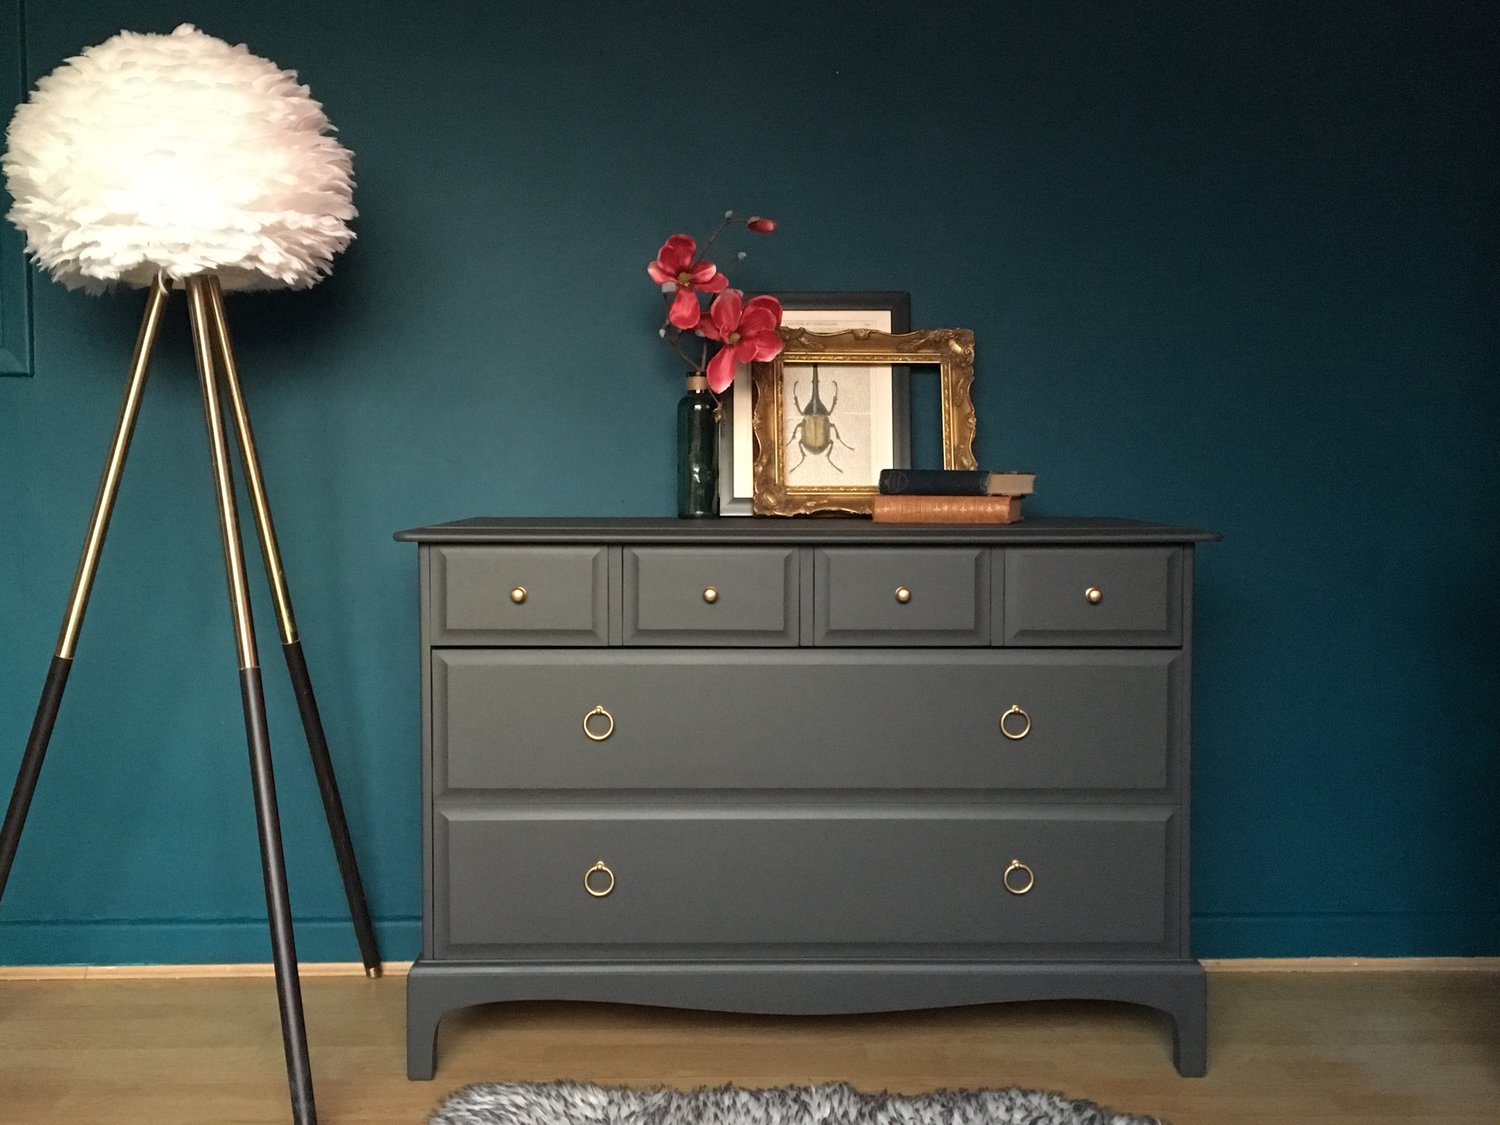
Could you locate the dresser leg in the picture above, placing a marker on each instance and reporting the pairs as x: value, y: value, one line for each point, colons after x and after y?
x: 423, y: 1014
x: 1189, y: 1013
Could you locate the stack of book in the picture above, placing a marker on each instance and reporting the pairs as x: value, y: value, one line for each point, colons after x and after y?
x: 950, y: 496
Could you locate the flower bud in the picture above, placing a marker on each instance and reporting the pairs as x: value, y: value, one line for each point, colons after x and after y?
x: 742, y: 255
x: 761, y: 225
x: 729, y: 214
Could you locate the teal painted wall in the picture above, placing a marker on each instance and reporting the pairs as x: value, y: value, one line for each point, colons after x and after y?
x: 1229, y: 265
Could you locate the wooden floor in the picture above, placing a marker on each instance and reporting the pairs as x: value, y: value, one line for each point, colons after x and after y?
x: 1285, y: 1048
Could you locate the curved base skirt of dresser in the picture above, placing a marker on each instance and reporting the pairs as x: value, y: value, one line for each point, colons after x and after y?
x: 1177, y: 988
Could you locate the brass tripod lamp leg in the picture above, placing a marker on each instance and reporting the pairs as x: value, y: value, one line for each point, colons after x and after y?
x: 273, y: 863
x: 291, y: 644
x: 83, y: 582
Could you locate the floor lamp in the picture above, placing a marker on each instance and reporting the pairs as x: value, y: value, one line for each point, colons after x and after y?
x: 179, y: 162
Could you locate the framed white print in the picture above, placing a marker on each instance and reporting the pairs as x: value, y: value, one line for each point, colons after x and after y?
x: 880, y: 391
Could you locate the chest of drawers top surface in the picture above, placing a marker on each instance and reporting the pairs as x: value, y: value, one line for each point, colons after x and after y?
x: 747, y: 530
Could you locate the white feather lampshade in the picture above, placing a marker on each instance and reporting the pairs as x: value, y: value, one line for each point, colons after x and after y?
x: 177, y: 154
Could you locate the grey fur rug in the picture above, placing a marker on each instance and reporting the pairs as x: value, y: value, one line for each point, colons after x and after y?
x: 575, y: 1103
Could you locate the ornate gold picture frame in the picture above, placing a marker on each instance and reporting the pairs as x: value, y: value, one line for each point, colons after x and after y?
x: 818, y: 311
x: 788, y: 430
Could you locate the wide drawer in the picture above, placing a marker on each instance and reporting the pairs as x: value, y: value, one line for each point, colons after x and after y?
x: 901, y: 596
x: 790, y: 877
x: 519, y: 595
x: 805, y: 718
x: 711, y: 596
x: 1092, y: 596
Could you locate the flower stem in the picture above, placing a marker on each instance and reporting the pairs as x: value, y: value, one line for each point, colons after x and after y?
x: 672, y: 337
x: 723, y: 226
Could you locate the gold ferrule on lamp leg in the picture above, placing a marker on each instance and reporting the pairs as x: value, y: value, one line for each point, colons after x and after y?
x: 254, y: 482
x: 229, y: 526
x: 109, y: 483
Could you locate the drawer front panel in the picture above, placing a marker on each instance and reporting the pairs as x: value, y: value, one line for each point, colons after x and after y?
x: 901, y: 596
x: 520, y: 595
x: 711, y: 596
x: 802, y: 877
x: 1092, y: 596
x: 804, y: 718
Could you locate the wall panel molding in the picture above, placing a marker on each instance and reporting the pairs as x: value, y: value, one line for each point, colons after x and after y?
x: 15, y: 276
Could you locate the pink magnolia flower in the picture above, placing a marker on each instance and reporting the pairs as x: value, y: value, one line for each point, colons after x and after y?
x: 747, y: 330
x: 675, y: 268
x: 760, y: 224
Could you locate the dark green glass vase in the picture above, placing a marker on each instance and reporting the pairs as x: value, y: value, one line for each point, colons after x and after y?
x: 697, y: 451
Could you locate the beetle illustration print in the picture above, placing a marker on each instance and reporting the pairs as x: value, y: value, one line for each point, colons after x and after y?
x: 815, y: 431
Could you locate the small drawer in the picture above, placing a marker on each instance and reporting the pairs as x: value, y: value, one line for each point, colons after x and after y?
x: 711, y: 596
x: 1096, y: 596
x: 901, y: 596
x: 804, y: 878
x: 520, y: 595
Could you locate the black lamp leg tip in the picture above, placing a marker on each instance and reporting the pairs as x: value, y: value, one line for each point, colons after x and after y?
x: 31, y: 764
x: 278, y: 902
x: 333, y: 807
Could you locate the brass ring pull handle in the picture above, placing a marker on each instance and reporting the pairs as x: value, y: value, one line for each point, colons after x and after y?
x: 518, y: 595
x: 1015, y: 888
x: 903, y: 595
x: 603, y: 870
x: 609, y: 730
x: 710, y: 595
x: 1093, y: 595
x: 1015, y: 735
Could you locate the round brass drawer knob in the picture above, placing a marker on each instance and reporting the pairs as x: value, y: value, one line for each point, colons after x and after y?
x: 1017, y: 728
x: 592, y: 729
x: 903, y: 595
x: 1094, y: 595
x: 710, y: 595
x: 598, y: 887
x: 1018, y: 878
x: 518, y: 595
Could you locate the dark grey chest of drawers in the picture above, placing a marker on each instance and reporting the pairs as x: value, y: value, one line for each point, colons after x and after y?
x: 805, y: 766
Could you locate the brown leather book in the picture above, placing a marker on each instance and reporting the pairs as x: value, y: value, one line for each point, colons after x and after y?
x: 946, y: 509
